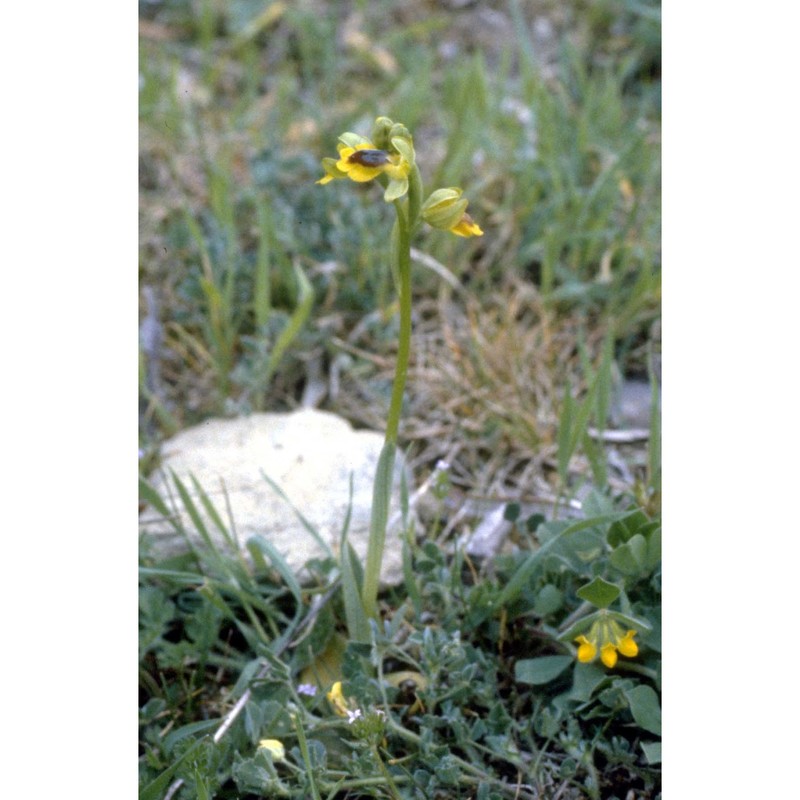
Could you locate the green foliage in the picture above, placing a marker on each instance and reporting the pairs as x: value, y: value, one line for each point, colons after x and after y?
x: 599, y: 593
x: 494, y: 685
x: 537, y: 671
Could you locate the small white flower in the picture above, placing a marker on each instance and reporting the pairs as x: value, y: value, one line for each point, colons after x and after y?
x: 352, y: 716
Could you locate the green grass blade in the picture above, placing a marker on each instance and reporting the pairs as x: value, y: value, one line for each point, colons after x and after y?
x: 654, y: 445
x: 304, y: 752
x: 348, y: 514
x: 214, y: 514
x: 262, y: 297
x: 194, y: 514
x: 296, y: 321
x: 189, y: 730
x: 260, y: 544
x: 565, y: 425
x: 595, y: 453
x: 527, y: 57
x: 303, y: 521
x: 153, y: 498
x: 156, y: 788
x: 356, y: 616
x: 352, y: 581
x: 604, y: 378
x: 379, y: 518
x: 582, y: 417
x: 180, y: 577
x: 410, y: 579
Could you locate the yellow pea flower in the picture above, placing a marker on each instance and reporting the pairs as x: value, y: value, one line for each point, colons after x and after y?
x: 336, y: 699
x: 606, y: 637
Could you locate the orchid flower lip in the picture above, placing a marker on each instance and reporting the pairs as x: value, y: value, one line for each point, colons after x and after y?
x: 361, y: 161
x: 369, y: 158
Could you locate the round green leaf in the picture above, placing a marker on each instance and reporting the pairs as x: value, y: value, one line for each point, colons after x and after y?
x: 631, y: 557
x: 549, y: 599
x: 624, y: 560
x: 653, y: 549
x: 544, y: 669
x: 599, y: 593
x: 645, y: 708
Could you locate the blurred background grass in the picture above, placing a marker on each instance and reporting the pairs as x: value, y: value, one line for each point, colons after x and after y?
x: 262, y: 290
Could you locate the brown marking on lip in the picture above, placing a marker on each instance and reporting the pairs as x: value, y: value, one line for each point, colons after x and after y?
x: 369, y: 158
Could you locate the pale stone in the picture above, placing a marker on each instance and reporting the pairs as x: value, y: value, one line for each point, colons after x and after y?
x: 309, y: 454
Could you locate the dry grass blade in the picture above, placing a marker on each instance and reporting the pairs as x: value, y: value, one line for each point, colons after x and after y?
x: 484, y: 379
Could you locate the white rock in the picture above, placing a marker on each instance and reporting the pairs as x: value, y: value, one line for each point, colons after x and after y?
x: 309, y: 454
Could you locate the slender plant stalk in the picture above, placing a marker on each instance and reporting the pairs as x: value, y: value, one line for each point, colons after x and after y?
x: 393, y: 164
x: 404, y: 341
x: 407, y: 211
x: 303, y: 743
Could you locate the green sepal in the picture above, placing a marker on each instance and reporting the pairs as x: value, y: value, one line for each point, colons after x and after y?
x: 380, y: 132
x: 444, y: 208
x: 627, y: 621
x: 353, y: 139
x: 579, y: 627
x: 584, y: 623
x: 329, y: 165
x: 395, y: 190
x: 405, y: 148
x: 398, y: 130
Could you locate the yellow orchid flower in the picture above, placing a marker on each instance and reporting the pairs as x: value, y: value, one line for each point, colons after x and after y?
x: 361, y: 161
x: 466, y: 227
x: 445, y: 209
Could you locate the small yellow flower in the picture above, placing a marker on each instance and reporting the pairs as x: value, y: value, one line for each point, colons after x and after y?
x: 447, y: 210
x: 466, y: 227
x: 337, y: 700
x: 607, y: 636
x: 275, y: 747
x: 587, y: 651
x: 361, y: 161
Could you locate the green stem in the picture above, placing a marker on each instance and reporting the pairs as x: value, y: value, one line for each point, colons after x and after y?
x: 301, y: 740
x: 407, y: 213
x: 386, y: 774
x: 403, y: 265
